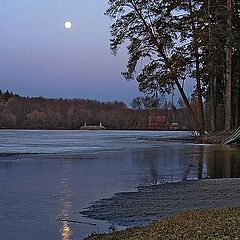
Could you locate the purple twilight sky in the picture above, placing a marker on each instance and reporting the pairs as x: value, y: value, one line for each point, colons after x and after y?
x: 39, y: 57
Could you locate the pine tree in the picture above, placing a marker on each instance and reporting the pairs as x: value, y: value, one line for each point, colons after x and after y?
x: 149, y: 28
x: 228, y: 103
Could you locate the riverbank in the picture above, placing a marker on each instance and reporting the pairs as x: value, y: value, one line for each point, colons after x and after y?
x: 191, y: 225
x: 152, y: 203
x: 214, y: 138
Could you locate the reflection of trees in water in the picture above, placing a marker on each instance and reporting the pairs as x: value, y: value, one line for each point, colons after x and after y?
x: 195, y: 164
x: 201, y: 158
x: 188, y: 170
x: 198, y: 161
x: 160, y: 163
x: 221, y: 161
x: 148, y: 159
x: 6, y: 165
x: 224, y: 162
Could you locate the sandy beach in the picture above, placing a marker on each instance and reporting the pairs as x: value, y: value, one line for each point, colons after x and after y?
x: 160, y: 201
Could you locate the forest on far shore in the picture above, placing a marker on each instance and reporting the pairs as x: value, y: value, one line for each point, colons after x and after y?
x: 43, y: 113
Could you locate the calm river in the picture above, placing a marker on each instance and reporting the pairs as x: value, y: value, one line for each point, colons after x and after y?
x: 48, y: 176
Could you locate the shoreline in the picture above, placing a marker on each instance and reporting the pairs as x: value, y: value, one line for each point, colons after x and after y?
x: 214, y: 137
x: 215, y: 224
x: 151, y: 203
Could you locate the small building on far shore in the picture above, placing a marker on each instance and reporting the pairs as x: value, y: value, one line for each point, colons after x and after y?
x: 162, y: 123
x: 174, y: 126
x: 158, y: 122
x: 93, y: 127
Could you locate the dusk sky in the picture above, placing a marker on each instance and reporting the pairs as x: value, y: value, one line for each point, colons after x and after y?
x: 39, y: 57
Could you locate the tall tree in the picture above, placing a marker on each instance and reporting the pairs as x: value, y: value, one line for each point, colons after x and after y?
x: 171, y: 40
x: 197, y: 63
x: 236, y: 62
x: 215, y: 60
x: 228, y: 103
x: 191, y: 21
x: 149, y: 29
x: 212, y: 73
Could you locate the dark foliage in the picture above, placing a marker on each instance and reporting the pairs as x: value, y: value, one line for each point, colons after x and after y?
x: 42, y: 113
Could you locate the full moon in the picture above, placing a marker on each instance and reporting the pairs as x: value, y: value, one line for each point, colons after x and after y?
x: 68, y: 25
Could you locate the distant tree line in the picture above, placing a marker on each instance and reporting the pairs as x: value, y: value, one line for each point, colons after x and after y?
x: 170, y: 41
x: 43, y: 113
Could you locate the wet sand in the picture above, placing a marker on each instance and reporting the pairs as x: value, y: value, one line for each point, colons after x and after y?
x: 160, y: 201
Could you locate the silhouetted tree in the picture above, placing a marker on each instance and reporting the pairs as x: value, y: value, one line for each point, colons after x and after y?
x: 149, y: 28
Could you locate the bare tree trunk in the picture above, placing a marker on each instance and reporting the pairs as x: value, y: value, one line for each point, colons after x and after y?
x: 185, y: 99
x: 198, y: 74
x: 228, y: 92
x: 212, y: 72
x: 213, y: 101
x: 237, y: 104
x: 235, y: 119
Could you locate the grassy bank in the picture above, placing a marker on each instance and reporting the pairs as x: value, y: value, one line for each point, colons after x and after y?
x: 190, y: 225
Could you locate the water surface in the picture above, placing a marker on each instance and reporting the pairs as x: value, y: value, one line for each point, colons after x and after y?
x: 50, y: 175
